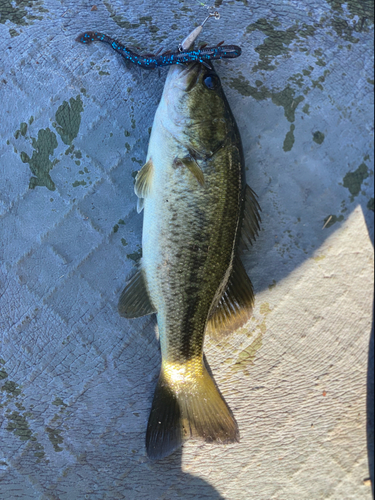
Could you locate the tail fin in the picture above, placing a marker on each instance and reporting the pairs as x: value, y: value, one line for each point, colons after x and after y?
x: 184, y: 409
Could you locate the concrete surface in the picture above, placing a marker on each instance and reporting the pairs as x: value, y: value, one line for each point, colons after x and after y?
x: 76, y: 380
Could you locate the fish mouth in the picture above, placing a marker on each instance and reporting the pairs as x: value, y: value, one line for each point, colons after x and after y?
x: 185, y: 77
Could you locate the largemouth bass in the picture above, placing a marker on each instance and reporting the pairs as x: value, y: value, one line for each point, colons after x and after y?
x: 197, y: 209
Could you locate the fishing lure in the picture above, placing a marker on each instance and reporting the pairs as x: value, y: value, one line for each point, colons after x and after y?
x: 151, y: 61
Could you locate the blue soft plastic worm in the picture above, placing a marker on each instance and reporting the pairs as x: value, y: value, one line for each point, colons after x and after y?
x: 151, y: 61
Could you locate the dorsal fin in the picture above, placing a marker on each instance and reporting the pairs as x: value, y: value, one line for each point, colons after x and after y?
x: 236, y: 304
x: 251, y: 218
x: 143, y: 181
x: 135, y: 301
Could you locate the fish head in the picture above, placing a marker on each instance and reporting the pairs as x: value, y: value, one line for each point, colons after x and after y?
x: 195, y: 108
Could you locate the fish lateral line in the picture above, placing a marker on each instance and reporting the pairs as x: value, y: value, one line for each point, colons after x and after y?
x: 151, y: 61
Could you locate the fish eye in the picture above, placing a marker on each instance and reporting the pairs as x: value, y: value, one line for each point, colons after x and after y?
x: 212, y: 82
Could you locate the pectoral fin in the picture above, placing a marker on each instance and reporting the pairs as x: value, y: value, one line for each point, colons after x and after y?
x: 251, y: 218
x: 135, y: 301
x: 140, y: 204
x: 143, y: 181
x: 194, y: 168
x: 192, y: 165
x: 236, y: 304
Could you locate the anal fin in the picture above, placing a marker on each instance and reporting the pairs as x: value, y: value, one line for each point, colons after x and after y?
x: 135, y: 301
x: 236, y: 304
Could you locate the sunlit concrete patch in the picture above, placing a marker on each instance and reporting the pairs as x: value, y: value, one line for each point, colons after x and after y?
x: 42, y: 269
x: 307, y: 379
x: 108, y: 202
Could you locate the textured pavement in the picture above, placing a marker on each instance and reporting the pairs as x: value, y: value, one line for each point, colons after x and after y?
x: 76, y: 380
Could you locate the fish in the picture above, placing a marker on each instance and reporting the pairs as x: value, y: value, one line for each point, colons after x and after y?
x: 151, y: 61
x: 198, y: 215
x: 198, y: 212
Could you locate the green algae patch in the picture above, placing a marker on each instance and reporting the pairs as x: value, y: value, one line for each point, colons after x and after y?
x: 79, y: 183
x: 332, y: 219
x: 289, y: 139
x: 16, y: 13
x: 364, y: 9
x: 18, y: 417
x: 118, y: 19
x: 40, y: 163
x: 3, y: 374
x: 244, y: 88
x: 136, y: 256
x: 19, y: 426
x: 318, y: 137
x: 286, y: 98
x: 124, y: 242
x: 265, y: 308
x: 370, y: 206
x: 353, y: 180
x: 68, y: 116
x: 247, y: 356
x: 320, y: 62
x: 306, y: 109
x: 318, y: 82
x: 344, y: 30
x: 55, y: 438
x: 137, y: 160
x: 69, y: 150
x: 39, y: 451
x: 116, y: 227
x: 21, y: 131
x: 59, y: 402
x: 11, y: 388
x: 276, y: 42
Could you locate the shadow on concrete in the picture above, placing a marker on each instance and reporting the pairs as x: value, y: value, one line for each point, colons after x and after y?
x: 370, y: 408
x: 370, y: 402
